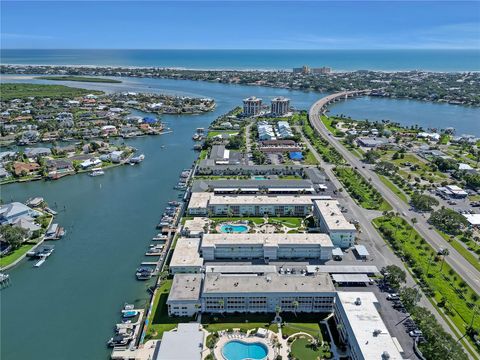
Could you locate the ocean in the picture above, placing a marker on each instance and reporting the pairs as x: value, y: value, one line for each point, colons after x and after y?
x: 338, y: 60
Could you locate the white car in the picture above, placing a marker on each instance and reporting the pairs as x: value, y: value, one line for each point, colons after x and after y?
x: 415, y: 333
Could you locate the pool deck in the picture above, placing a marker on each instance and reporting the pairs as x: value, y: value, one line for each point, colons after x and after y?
x: 226, y: 337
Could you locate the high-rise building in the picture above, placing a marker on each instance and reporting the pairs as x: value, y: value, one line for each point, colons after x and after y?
x: 280, y: 106
x: 252, y: 106
x: 303, y: 70
x: 322, y: 70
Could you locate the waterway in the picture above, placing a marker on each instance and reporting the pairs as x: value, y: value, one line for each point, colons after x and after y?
x: 66, y: 309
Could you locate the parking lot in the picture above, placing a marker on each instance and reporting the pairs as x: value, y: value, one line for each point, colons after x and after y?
x: 394, y: 320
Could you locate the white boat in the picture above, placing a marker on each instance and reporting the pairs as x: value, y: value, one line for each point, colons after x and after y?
x: 137, y: 159
x: 97, y: 172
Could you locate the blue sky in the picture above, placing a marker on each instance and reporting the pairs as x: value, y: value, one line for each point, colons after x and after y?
x: 240, y: 25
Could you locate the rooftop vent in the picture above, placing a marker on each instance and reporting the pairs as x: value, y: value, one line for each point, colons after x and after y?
x: 377, y: 332
x: 358, y: 301
x: 385, y: 355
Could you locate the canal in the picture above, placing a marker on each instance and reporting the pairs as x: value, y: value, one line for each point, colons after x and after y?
x: 67, y: 308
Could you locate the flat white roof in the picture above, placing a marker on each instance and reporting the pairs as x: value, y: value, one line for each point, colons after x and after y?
x: 332, y: 215
x: 361, y: 250
x: 239, y: 269
x: 199, y: 200
x: 184, y: 344
x: 337, y: 252
x: 186, y: 253
x: 363, y: 320
x: 350, y: 278
x: 269, y: 283
x: 473, y: 219
x: 266, y: 239
x: 259, y: 200
x: 343, y: 269
x: 185, y: 287
x: 195, y: 224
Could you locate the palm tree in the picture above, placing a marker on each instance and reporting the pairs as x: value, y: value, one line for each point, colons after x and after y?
x: 278, y: 310
x: 445, y: 253
x: 295, y: 307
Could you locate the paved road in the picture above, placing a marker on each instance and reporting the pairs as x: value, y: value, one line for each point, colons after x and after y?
x: 464, y: 269
x: 381, y: 254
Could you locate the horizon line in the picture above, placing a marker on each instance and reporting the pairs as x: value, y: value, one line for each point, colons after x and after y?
x: 251, y: 49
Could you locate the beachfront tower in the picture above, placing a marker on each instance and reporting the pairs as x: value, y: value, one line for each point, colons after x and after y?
x: 252, y: 106
x: 280, y: 106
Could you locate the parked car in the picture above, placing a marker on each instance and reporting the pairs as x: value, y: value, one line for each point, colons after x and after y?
x: 393, y: 296
x: 415, y: 333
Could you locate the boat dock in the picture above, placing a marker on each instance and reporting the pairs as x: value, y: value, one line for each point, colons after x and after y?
x: 41, y: 253
x: 127, y: 333
x: 54, y: 232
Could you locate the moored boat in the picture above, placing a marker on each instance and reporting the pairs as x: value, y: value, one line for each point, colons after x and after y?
x: 96, y: 172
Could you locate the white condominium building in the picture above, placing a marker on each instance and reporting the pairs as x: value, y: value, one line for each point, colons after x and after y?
x: 266, y: 246
x: 280, y: 106
x: 186, y: 257
x: 331, y: 220
x: 249, y: 205
x: 184, y: 296
x: 362, y: 328
x: 252, y: 106
x: 249, y: 294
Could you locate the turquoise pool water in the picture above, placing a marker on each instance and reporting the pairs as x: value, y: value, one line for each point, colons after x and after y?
x: 233, y: 228
x: 239, y: 350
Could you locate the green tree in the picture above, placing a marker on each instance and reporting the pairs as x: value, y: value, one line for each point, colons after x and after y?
x: 394, y: 275
x: 448, y: 221
x: 13, y: 235
x: 409, y: 297
x: 371, y: 156
x: 423, y: 202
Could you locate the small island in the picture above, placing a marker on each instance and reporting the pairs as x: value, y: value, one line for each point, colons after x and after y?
x: 80, y: 79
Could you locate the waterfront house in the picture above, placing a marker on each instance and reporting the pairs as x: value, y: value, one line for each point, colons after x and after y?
x: 21, y: 168
x: 32, y: 153
x: 116, y: 156
x: 90, y: 162
x: 7, y: 156
x: 26, y: 223
x: 9, y: 213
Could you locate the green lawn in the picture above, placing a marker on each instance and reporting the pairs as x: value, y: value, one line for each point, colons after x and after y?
x: 309, y: 328
x: 255, y: 220
x: 303, y: 350
x: 327, y: 152
x: 159, y: 321
x: 328, y: 123
x: 394, y: 188
x: 80, y: 79
x: 10, y: 258
x: 213, y: 133
x: 468, y: 255
x: 310, y: 159
x: 359, y: 189
x: 444, y: 285
x: 11, y: 91
x: 245, y: 322
x: 291, y: 222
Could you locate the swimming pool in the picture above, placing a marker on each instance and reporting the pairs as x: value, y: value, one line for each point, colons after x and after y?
x: 233, y: 228
x: 240, y: 350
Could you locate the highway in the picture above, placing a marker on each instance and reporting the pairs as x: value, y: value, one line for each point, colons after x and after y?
x: 463, y: 268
